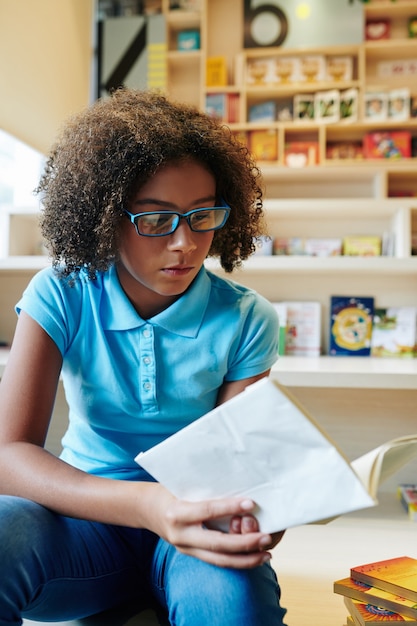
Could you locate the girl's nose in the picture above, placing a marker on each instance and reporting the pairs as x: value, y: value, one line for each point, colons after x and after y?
x: 183, y: 238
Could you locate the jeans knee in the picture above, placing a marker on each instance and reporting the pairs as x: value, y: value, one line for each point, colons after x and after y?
x: 22, y: 525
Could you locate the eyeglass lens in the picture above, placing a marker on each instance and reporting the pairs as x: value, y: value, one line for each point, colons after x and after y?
x: 166, y: 222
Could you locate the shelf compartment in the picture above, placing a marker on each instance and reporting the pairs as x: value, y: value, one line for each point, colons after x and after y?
x: 319, y: 182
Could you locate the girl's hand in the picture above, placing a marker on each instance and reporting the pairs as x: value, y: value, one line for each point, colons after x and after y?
x: 243, y: 524
x: 183, y: 524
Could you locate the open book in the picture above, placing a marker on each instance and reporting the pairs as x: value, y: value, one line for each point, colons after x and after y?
x: 262, y: 444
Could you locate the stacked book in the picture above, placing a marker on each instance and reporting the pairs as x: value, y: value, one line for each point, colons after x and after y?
x: 383, y: 591
x: 407, y: 494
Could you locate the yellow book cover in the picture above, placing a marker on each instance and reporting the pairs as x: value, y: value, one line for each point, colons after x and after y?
x: 264, y: 145
x: 362, y: 246
x: 216, y: 72
x: 398, y: 575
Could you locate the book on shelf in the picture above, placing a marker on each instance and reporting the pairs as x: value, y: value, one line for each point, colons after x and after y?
x: 394, y: 332
x: 288, y: 246
x: 397, y: 575
x: 323, y: 247
x: 376, y: 105
x: 362, y: 245
x: 350, y: 588
x: 188, y: 40
x: 263, y: 111
x: 344, y: 150
x: 301, y: 153
x: 349, y: 99
x: 285, y: 110
x: 399, y: 104
x: 387, y: 145
x: 377, y: 29
x: 264, y: 445
x: 351, y: 325
x: 263, y: 144
x: 216, y: 71
x: 327, y: 106
x: 281, y: 310
x: 223, y: 106
x: 303, y: 107
x: 303, y: 336
x: 369, y: 614
x: 407, y: 495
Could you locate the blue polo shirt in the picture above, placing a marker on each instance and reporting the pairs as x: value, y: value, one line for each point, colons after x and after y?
x: 130, y: 382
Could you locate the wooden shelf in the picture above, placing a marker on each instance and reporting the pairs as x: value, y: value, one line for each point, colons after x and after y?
x: 346, y: 372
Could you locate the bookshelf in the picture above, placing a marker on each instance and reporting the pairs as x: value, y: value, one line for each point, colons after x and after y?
x: 334, y: 197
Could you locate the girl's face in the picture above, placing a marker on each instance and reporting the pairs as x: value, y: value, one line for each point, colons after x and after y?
x: 155, y: 271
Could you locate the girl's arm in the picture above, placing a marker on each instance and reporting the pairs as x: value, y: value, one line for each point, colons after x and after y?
x: 27, y: 396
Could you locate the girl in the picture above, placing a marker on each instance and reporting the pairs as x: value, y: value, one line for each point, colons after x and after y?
x: 137, y: 192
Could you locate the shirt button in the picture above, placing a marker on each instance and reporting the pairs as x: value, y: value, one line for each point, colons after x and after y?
x: 147, y: 360
x: 146, y: 333
x: 147, y: 386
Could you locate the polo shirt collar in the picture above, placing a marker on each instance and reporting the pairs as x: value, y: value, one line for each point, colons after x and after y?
x: 183, y: 317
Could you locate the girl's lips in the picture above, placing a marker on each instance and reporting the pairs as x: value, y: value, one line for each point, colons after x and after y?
x: 178, y: 270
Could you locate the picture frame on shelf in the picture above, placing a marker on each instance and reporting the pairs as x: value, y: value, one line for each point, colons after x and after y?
x: 349, y: 105
x: 327, y: 106
x: 304, y: 107
x: 399, y: 104
x: 376, y: 105
x: 375, y: 30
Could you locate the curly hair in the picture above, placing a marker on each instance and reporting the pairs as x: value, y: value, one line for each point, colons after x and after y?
x: 106, y: 153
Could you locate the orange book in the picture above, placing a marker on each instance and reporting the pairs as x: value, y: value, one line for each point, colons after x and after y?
x: 368, y: 614
x: 398, y: 575
x: 361, y: 592
x: 264, y: 144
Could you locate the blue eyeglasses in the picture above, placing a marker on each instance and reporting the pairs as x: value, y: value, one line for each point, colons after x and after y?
x: 159, y: 224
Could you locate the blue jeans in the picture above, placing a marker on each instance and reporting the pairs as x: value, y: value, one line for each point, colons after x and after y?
x: 56, y: 568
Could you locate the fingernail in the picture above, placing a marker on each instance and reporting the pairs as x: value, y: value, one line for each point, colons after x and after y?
x: 264, y: 541
x: 247, y: 505
x: 266, y: 558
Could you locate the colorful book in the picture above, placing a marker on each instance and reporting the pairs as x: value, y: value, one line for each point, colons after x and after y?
x: 398, y: 575
x: 304, y: 107
x: 301, y: 153
x: 263, y: 144
x: 351, y: 320
x: 303, y: 336
x: 362, y: 245
x: 349, y: 105
x: 407, y: 494
x: 223, y: 106
x: 263, y: 111
x: 372, y: 595
x: 323, y: 247
x: 368, y: 614
x: 387, y: 145
x: 327, y: 106
x: 394, y: 332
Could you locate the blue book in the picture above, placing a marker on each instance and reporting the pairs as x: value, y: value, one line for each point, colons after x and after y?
x: 263, y: 112
x: 351, y: 325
